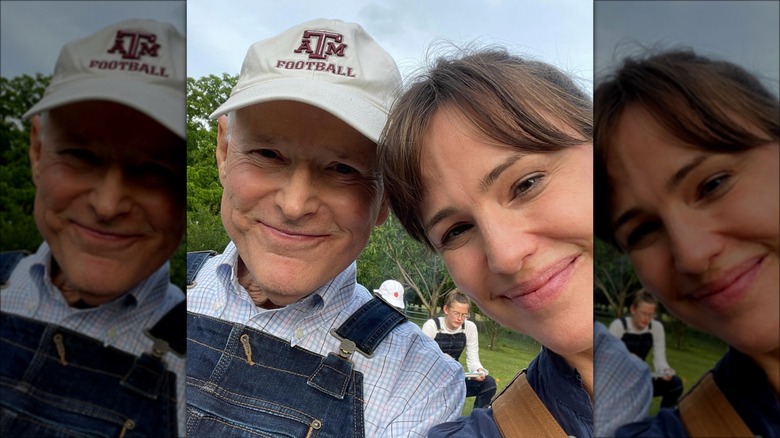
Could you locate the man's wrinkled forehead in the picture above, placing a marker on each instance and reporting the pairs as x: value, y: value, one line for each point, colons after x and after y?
x: 249, y: 121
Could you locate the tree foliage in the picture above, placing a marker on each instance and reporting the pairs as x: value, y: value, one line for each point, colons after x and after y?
x: 393, y: 254
x: 17, y: 192
x: 615, y: 279
x: 204, y: 193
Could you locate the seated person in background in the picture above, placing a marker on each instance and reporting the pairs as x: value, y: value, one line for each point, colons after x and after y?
x: 392, y: 292
x: 640, y: 332
x: 453, y: 332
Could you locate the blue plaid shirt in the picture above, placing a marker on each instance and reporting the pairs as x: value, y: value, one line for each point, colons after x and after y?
x: 623, y: 386
x: 119, y: 323
x: 409, y: 385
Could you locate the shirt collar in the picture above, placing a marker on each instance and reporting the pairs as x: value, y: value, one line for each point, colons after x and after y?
x: 151, y: 289
x: 336, y: 292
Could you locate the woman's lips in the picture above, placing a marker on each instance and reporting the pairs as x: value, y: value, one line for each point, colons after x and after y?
x: 729, y: 287
x: 544, y: 286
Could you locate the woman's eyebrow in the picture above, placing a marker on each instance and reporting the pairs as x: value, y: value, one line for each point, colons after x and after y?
x: 626, y: 216
x: 678, y: 176
x: 493, y: 175
x: 438, y: 217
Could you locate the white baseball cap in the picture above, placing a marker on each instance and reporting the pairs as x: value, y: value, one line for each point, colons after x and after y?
x: 392, y: 292
x: 138, y: 63
x: 330, y: 64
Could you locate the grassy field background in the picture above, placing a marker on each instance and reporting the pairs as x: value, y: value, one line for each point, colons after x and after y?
x: 514, y: 352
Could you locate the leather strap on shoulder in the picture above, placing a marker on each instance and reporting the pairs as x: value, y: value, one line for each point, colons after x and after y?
x: 519, y: 413
x: 706, y: 412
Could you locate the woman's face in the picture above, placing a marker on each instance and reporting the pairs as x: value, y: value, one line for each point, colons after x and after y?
x: 515, y: 229
x: 701, y: 229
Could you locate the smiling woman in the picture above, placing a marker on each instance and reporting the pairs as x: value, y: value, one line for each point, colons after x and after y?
x: 687, y: 158
x: 488, y: 159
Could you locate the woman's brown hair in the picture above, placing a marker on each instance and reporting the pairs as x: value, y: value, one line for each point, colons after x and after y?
x: 511, y: 101
x: 714, y: 105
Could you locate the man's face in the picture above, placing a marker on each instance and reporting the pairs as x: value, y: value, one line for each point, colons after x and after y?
x: 301, y: 195
x: 109, y: 196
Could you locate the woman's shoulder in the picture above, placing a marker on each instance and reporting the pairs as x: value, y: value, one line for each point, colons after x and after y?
x: 666, y: 423
x: 480, y: 423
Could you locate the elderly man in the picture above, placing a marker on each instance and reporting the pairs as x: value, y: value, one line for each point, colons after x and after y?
x: 281, y: 338
x: 89, y: 320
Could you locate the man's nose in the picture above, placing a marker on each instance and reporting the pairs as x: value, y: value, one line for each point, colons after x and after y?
x: 297, y: 197
x: 111, y: 195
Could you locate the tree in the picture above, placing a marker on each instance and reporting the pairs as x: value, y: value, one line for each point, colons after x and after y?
x: 614, y: 278
x: 17, y: 192
x: 392, y: 253
x: 204, y: 193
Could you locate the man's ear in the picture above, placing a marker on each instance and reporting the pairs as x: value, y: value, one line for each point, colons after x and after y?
x: 222, y: 147
x: 384, y: 212
x: 35, y: 148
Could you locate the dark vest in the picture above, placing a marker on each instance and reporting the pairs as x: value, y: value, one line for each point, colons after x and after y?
x: 451, y: 344
x: 639, y: 344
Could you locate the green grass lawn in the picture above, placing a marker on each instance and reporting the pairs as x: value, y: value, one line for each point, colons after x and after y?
x: 698, y: 355
x: 514, y: 352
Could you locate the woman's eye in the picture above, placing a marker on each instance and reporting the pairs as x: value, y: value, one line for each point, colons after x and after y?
x: 526, y: 186
x: 454, y: 233
x: 712, y: 185
x: 641, y: 233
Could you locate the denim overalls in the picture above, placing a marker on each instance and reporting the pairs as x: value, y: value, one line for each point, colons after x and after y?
x: 242, y: 382
x: 55, y: 382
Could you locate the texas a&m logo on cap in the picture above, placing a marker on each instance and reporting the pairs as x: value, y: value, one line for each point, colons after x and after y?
x: 325, y: 44
x: 318, y: 45
x: 132, y: 45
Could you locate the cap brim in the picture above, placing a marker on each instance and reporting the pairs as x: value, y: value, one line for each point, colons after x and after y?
x: 159, y: 103
x: 360, y: 112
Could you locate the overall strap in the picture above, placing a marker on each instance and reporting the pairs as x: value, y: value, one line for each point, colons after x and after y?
x: 365, y: 329
x: 170, y: 332
x: 519, y: 413
x: 622, y: 319
x: 195, y: 261
x: 8, y: 261
x: 706, y: 412
x: 438, y: 325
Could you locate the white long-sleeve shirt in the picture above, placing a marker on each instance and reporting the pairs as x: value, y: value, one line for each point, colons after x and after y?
x: 659, y: 339
x: 472, y: 340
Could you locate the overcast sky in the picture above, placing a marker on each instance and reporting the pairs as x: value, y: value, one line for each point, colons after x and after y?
x: 33, y: 32
x: 744, y: 32
x: 559, y: 31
